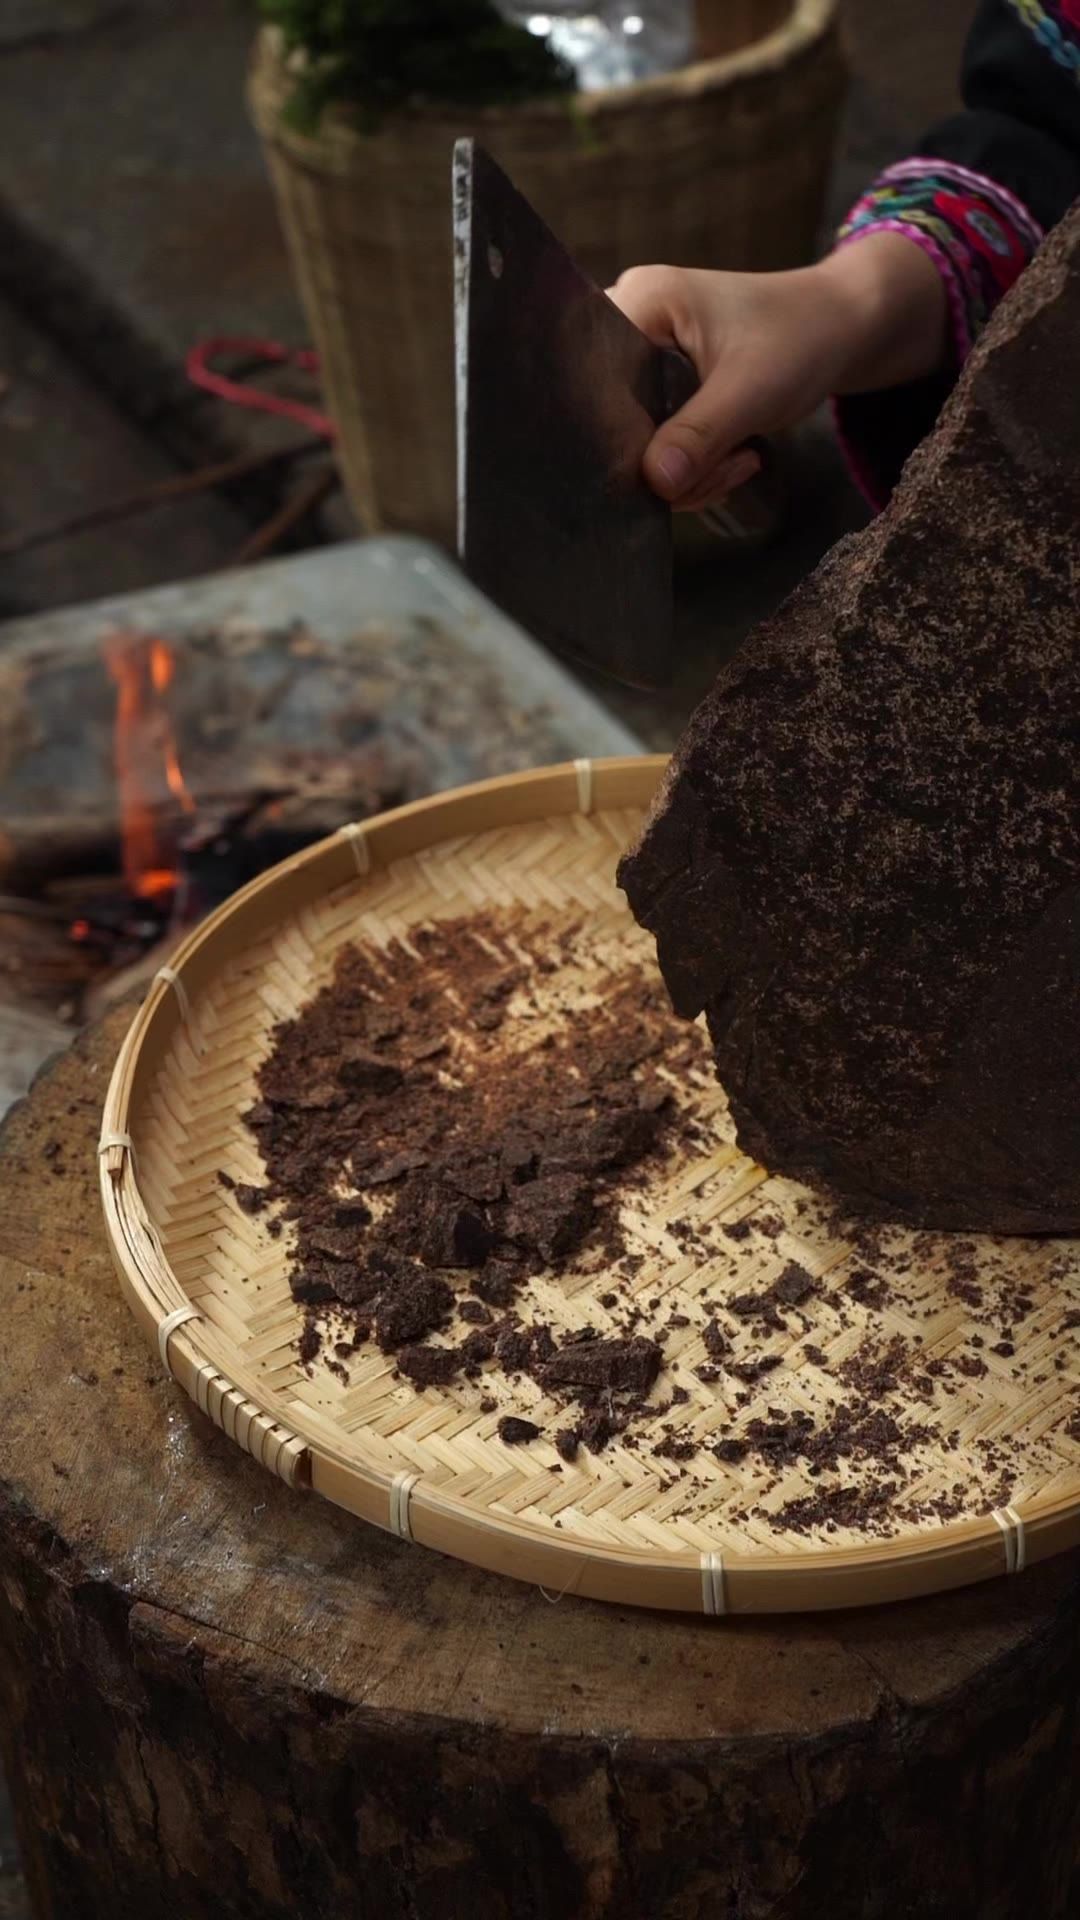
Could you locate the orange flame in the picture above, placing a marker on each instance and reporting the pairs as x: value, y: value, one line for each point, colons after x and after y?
x: 147, y: 764
x: 162, y: 668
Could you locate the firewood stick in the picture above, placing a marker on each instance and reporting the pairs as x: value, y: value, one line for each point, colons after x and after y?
x: 294, y: 510
x: 179, y: 487
x: 31, y: 909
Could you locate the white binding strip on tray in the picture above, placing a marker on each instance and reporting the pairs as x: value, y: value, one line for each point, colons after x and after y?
x: 583, y: 770
x: 713, y: 1596
x: 110, y: 1140
x: 358, y: 841
x: 170, y: 978
x: 168, y: 1326
x: 1015, y: 1542
x: 401, y: 1487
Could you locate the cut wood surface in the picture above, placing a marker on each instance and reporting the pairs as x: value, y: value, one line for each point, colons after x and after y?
x: 222, y: 1697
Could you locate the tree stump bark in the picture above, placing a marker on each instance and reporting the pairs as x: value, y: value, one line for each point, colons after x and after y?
x: 221, y: 1698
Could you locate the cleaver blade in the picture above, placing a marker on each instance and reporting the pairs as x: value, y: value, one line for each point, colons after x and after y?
x: 558, y: 395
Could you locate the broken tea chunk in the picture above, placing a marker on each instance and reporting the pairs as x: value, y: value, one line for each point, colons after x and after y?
x: 550, y: 1217
x: 444, y: 1228
x: 429, y: 1366
x: 514, y: 1431
x: 411, y: 1302
x: 623, y: 1366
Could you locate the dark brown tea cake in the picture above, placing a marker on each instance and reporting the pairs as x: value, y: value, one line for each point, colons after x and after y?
x: 864, y: 864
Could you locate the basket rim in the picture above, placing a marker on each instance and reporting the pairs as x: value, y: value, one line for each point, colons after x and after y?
x: 304, y: 1451
x: 808, y: 24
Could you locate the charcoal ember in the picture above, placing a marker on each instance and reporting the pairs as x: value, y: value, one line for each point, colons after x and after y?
x: 864, y: 863
x: 622, y: 1366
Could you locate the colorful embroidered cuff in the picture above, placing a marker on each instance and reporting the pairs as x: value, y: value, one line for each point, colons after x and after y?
x: 979, y: 236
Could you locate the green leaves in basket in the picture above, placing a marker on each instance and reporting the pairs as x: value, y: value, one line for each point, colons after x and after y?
x: 376, y: 55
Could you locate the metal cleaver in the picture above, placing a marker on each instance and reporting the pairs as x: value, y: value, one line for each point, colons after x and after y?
x: 558, y: 395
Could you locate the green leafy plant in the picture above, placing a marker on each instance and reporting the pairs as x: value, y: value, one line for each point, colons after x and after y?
x: 375, y: 55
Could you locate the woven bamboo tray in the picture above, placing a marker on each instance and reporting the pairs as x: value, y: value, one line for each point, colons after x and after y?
x: 208, y: 1283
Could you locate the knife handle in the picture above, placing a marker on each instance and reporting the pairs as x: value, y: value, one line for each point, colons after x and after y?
x: 753, y: 511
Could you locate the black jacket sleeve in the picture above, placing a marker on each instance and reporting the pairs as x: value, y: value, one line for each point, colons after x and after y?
x: 984, y: 186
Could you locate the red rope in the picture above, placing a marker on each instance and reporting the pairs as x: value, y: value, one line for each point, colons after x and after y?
x: 201, y: 374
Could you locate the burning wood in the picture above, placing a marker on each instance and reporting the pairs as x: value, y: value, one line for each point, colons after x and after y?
x: 147, y: 763
x: 140, y: 789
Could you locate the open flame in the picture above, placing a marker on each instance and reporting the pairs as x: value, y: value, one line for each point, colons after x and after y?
x: 150, y: 782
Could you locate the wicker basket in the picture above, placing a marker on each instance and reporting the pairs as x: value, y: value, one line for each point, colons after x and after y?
x: 723, y: 163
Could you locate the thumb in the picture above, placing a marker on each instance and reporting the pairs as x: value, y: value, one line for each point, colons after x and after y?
x: 695, y: 440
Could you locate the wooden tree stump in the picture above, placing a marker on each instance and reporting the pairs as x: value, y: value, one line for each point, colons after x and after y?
x: 220, y: 1698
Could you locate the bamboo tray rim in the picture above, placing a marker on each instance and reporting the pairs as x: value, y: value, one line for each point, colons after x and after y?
x: 303, y: 1449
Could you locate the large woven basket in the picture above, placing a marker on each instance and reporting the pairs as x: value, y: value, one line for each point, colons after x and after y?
x: 209, y: 1283
x: 722, y: 164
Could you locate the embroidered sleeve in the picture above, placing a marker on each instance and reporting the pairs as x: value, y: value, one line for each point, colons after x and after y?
x: 980, y: 237
x: 978, y: 234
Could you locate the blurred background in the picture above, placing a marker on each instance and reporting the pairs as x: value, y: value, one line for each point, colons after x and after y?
x: 136, y: 219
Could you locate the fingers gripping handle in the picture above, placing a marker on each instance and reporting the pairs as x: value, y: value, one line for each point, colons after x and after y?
x: 752, y: 511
